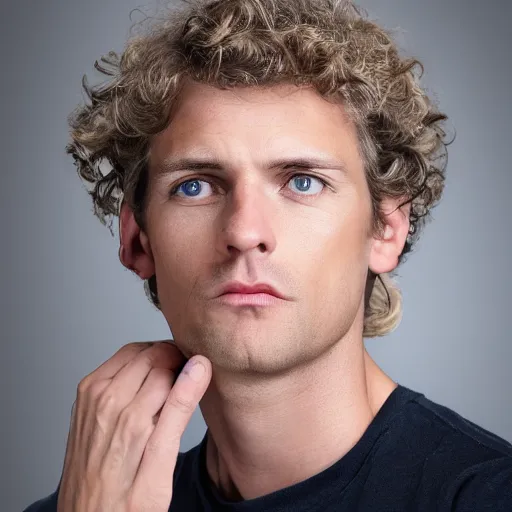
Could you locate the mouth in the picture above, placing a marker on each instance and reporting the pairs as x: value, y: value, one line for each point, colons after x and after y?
x: 249, y: 299
x: 236, y: 293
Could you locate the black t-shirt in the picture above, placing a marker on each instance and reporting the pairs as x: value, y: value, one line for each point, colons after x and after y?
x: 415, y: 455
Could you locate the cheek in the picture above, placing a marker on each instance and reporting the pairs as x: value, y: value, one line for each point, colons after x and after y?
x: 340, y: 251
x: 178, y: 251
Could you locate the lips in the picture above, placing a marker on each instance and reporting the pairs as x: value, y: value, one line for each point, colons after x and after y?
x: 238, y: 287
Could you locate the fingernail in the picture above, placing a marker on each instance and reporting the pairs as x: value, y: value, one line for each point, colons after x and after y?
x: 195, y: 370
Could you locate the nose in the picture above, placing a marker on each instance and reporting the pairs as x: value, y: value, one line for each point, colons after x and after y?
x: 246, y: 222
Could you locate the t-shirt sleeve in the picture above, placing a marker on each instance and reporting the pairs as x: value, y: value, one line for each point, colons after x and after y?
x: 48, y: 504
x: 484, y: 487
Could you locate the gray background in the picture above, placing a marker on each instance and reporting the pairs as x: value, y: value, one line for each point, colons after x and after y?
x: 68, y: 304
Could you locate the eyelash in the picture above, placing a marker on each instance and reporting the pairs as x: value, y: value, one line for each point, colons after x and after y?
x: 176, y: 187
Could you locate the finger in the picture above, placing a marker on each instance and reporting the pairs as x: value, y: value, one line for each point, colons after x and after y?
x: 154, y: 392
x: 136, y: 423
x: 129, y: 380
x: 105, y: 408
x: 160, y: 454
x: 124, y: 355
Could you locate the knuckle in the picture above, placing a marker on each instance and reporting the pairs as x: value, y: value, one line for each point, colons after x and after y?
x: 133, y: 348
x: 90, y: 387
x: 106, y: 402
x: 183, y: 403
x: 147, y: 358
x: 133, y: 421
x: 83, y: 386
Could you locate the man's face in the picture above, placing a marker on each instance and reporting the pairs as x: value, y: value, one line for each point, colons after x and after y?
x: 252, y: 215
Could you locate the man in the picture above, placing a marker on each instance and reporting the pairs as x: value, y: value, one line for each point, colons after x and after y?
x: 271, y: 163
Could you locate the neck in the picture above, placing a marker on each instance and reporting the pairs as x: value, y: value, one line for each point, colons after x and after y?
x: 266, y: 433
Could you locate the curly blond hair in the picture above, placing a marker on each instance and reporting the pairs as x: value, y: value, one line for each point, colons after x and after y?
x: 326, y: 44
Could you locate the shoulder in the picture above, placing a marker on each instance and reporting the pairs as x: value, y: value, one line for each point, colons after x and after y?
x: 466, y: 467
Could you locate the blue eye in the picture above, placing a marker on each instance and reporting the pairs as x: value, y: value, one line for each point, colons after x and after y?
x: 303, y: 183
x: 191, y: 188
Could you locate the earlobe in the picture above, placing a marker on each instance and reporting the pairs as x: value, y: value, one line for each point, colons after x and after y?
x: 388, y: 245
x: 134, y: 247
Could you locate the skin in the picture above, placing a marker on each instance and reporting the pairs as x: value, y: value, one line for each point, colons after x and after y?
x: 293, y: 388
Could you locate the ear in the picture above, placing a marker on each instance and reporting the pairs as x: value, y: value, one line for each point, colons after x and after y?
x: 387, y: 246
x: 134, y: 250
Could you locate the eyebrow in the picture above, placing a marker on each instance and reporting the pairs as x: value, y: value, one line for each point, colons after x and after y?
x: 170, y: 166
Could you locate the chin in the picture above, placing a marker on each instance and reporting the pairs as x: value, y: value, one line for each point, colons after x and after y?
x: 251, y: 352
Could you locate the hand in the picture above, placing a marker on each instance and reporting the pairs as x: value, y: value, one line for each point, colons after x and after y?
x: 126, y: 426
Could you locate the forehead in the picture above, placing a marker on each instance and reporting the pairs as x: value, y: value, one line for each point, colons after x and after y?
x: 253, y: 121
